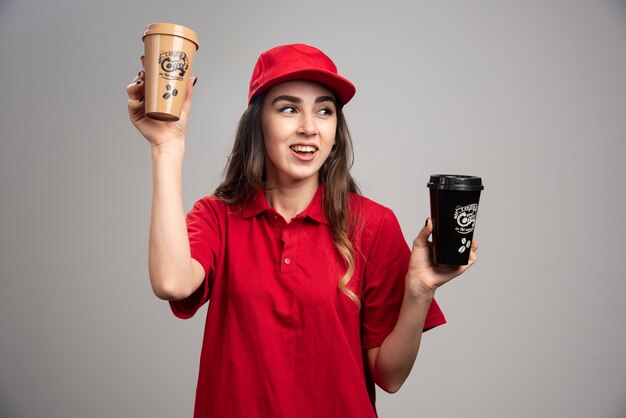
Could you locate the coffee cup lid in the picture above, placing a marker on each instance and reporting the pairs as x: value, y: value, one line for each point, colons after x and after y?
x: 171, y: 29
x: 455, y: 182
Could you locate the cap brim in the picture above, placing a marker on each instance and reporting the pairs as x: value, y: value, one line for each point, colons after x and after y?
x: 343, y: 89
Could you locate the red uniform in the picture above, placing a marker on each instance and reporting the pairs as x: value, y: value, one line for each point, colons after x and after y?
x: 281, y: 340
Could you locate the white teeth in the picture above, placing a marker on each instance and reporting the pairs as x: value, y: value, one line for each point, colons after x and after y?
x: 303, y: 148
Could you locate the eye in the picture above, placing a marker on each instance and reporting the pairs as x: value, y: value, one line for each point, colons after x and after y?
x: 287, y: 109
x: 327, y: 111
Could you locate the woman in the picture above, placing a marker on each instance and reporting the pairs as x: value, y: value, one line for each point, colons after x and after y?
x: 314, y: 294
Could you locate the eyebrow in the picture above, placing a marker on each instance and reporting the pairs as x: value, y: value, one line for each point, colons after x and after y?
x: 295, y: 99
x: 323, y: 99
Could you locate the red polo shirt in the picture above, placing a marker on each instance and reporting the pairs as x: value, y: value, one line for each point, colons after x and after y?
x: 280, y: 339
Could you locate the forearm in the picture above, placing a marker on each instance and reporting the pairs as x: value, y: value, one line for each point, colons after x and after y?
x: 169, y: 258
x: 392, y: 362
x: 397, y: 354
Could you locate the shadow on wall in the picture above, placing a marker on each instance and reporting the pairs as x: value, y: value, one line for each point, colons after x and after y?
x: 619, y: 9
x: 8, y: 407
x: 5, y: 7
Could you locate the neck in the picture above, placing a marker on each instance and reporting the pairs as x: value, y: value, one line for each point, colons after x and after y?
x: 290, y: 199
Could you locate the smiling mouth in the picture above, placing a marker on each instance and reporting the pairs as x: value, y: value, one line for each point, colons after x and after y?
x: 303, y: 149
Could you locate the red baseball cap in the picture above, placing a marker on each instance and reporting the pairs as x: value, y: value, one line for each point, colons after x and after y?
x: 298, y: 62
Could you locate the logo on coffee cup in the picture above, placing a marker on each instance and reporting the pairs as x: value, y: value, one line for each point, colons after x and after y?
x: 465, y: 218
x: 173, y: 65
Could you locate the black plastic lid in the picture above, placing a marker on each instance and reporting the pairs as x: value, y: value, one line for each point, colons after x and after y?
x: 455, y: 182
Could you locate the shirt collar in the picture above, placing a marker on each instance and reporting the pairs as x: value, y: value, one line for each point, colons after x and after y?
x: 256, y: 205
x: 315, y: 211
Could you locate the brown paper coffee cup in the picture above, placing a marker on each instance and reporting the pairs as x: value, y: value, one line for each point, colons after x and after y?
x: 169, y: 52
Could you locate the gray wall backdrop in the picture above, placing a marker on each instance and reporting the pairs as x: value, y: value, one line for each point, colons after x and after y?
x: 530, y: 95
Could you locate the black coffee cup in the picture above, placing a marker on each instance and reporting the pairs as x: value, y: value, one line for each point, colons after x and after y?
x: 453, y: 210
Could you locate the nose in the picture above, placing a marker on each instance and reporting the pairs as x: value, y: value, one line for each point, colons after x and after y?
x: 307, y: 124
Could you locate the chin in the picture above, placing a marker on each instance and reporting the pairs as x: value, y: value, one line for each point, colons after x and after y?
x: 300, y: 176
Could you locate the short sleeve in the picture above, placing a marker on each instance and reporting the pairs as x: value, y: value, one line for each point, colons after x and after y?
x: 204, y: 241
x: 384, y: 278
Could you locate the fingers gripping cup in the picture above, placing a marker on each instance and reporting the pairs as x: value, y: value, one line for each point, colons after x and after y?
x: 169, y: 54
x: 453, y: 209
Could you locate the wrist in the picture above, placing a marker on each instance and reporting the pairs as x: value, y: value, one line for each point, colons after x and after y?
x: 169, y: 148
x: 418, y: 292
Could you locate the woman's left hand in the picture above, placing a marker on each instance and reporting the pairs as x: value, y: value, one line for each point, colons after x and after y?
x: 423, y: 274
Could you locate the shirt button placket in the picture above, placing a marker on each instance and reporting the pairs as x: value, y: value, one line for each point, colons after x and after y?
x: 287, y: 263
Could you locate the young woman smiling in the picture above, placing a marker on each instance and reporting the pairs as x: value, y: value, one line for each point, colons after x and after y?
x: 314, y: 296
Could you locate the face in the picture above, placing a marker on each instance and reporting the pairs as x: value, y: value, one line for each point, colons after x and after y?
x: 299, y: 123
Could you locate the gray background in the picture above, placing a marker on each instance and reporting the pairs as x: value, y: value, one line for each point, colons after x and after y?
x: 530, y: 95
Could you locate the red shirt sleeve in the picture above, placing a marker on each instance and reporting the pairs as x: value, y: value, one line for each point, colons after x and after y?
x: 204, y: 241
x: 387, y: 263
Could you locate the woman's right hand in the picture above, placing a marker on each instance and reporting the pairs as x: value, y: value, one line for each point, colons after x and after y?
x: 158, y: 133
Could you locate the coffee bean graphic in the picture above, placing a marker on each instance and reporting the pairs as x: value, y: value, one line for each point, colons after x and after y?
x: 167, y: 95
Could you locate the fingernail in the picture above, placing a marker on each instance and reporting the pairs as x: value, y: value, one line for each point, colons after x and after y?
x: 142, y: 57
x: 426, y: 223
x: 141, y: 99
x: 195, y: 80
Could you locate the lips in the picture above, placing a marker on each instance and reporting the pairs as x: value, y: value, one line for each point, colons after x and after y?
x: 303, y: 149
x: 305, y: 153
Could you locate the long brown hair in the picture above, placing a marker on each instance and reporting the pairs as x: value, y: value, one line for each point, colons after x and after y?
x: 245, y: 173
